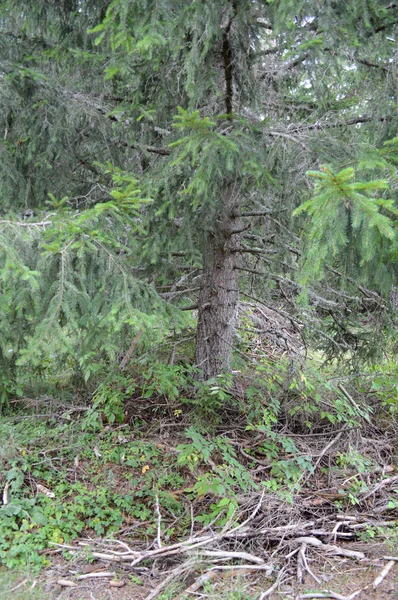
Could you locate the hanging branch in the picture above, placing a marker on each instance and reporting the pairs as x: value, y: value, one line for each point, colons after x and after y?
x: 227, y: 59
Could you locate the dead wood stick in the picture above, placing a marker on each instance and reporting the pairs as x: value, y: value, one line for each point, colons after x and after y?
x: 200, y: 581
x: 330, y: 594
x: 330, y: 548
x: 273, y: 587
x: 300, y: 570
x: 381, y: 484
x: 66, y: 583
x: 95, y: 575
x: 251, y: 516
x: 130, y: 351
x: 375, y: 524
x: 173, y: 575
x: 14, y: 589
x: 351, y: 399
x: 327, y: 447
x: 282, y: 529
x: 383, y: 574
x: 136, y: 557
x: 158, y: 535
x: 232, y: 555
x: 212, y: 573
x: 292, y: 553
x: 149, y: 553
x: 264, y: 567
x: 391, y: 558
x: 123, y: 544
x: 306, y: 565
x: 5, y: 494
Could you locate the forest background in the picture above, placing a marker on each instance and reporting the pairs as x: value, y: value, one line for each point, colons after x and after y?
x: 198, y: 234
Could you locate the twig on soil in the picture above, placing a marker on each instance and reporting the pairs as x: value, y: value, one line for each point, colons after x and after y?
x: 329, y: 548
x: 200, y: 581
x: 233, y: 555
x: 158, y: 539
x: 300, y: 570
x: 5, y: 494
x: 14, y: 589
x: 95, y: 575
x: 304, y: 562
x: 171, y: 577
x: 192, y: 519
x: 250, y: 517
x: 291, y: 528
x: 383, y: 574
x: 66, y: 583
x: 327, y: 447
x: 329, y: 594
x: 381, y: 484
x: 274, y: 586
x: 374, y: 524
x: 292, y: 553
x: 212, y: 573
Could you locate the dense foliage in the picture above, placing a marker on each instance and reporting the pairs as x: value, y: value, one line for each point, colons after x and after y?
x: 153, y: 155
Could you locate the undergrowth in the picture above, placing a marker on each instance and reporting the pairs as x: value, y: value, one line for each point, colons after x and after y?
x: 64, y: 477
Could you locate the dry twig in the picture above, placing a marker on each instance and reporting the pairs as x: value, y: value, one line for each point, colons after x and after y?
x: 383, y: 574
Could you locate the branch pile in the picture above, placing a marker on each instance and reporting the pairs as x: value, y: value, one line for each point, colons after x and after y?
x: 256, y: 544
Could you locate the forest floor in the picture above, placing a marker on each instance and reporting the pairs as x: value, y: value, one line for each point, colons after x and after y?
x: 341, y: 579
x: 155, y: 509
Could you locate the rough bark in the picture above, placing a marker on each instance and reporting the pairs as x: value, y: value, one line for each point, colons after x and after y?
x: 218, y: 298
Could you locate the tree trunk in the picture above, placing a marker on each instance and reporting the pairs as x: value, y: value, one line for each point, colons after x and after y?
x: 218, y: 298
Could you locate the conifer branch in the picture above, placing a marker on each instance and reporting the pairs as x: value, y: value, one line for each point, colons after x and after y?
x: 330, y: 125
x: 289, y: 137
x: 315, y: 298
x: 155, y: 150
x: 258, y: 213
x: 299, y: 323
x: 368, y: 63
x: 244, y: 249
x: 191, y: 307
x: 27, y: 225
x: 227, y: 59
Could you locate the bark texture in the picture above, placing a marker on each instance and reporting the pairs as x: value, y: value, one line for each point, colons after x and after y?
x: 218, y: 298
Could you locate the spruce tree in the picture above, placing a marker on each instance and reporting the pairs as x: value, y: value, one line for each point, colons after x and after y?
x: 218, y: 109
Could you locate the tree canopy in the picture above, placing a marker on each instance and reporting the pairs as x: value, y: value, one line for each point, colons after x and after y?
x: 160, y: 158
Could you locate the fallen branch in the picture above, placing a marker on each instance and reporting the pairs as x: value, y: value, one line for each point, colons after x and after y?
x: 233, y: 555
x: 274, y: 585
x: 354, y: 404
x: 329, y: 548
x: 383, y: 574
x: 159, y: 520
x: 173, y: 575
x: 381, y: 484
x: 329, y: 594
x: 14, y: 589
x: 305, y: 563
x: 66, y: 583
x: 95, y: 575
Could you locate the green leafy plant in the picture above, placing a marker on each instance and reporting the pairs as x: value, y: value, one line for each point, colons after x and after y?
x: 223, y: 481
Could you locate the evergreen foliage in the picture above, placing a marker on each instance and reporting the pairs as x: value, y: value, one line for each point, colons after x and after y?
x: 351, y: 224
x: 215, y: 111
